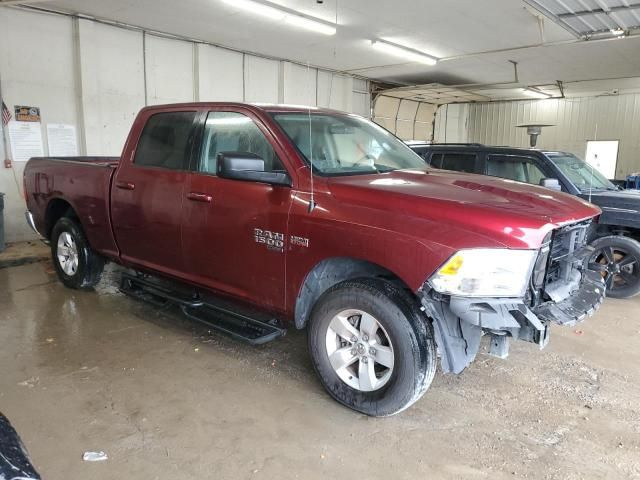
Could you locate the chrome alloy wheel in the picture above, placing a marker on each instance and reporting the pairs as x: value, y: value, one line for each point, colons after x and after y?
x: 359, y: 350
x: 67, y: 252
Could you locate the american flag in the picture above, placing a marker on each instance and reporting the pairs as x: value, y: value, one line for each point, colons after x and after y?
x: 6, y: 114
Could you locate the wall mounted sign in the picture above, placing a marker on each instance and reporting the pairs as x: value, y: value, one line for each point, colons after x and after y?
x: 26, y: 140
x: 62, y: 140
x: 27, y: 114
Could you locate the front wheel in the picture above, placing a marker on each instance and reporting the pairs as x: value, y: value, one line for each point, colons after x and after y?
x: 617, y: 258
x: 77, y: 265
x: 372, y: 347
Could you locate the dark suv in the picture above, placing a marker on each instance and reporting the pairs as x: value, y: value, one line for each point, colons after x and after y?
x: 615, y: 239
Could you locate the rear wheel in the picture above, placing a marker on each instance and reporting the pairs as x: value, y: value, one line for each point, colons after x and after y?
x: 617, y: 258
x: 372, y: 347
x: 77, y: 265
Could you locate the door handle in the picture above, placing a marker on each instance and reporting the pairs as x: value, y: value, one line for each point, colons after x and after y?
x: 199, y: 197
x: 126, y: 185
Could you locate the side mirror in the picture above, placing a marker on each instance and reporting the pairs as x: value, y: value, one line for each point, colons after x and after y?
x: 551, y: 183
x: 248, y: 167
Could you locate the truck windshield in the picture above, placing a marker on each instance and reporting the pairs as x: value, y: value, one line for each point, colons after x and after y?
x: 346, y: 145
x: 583, y: 175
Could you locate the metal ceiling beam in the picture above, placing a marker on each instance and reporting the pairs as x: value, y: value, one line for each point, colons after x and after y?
x: 584, y: 13
x: 536, y: 5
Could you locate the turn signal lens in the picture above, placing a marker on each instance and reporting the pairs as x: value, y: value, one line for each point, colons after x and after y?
x: 452, y: 266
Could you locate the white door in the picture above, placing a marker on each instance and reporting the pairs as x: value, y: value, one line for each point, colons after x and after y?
x: 603, y: 156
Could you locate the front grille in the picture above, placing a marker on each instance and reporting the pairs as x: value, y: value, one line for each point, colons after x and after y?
x: 565, y: 243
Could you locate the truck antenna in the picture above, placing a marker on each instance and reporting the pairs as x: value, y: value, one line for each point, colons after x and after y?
x: 312, y: 200
x: 591, y: 178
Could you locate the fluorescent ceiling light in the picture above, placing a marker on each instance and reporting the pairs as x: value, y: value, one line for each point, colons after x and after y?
x: 285, y: 16
x: 404, y: 52
x: 534, y: 93
x: 304, y: 22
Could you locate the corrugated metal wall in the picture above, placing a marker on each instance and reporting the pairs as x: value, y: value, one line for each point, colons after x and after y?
x: 576, y: 120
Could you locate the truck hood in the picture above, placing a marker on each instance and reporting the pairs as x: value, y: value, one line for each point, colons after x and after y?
x: 515, y: 214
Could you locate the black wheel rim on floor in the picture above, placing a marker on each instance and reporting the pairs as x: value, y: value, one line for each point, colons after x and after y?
x: 618, y: 267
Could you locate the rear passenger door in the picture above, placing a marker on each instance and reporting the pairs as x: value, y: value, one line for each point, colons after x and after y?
x: 148, y: 192
x: 457, y: 161
x: 515, y: 167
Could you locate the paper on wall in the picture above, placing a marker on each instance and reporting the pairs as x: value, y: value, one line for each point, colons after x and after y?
x: 26, y: 140
x: 62, y: 140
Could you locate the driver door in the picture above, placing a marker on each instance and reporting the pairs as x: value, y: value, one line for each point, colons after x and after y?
x: 234, y: 231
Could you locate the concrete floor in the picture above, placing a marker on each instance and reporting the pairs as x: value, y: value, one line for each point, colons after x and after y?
x: 167, y: 400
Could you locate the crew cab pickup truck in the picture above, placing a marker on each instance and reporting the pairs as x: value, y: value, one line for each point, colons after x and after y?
x: 324, y: 220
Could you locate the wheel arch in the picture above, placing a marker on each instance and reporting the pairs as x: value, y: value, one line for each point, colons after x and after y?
x: 605, y: 230
x: 56, y: 209
x: 331, y: 271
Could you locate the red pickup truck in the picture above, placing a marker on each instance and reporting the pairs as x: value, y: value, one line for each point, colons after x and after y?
x: 323, y: 220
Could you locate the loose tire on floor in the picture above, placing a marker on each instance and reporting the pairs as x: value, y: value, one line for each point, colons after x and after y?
x: 76, y: 264
x: 617, y: 258
x: 374, y: 383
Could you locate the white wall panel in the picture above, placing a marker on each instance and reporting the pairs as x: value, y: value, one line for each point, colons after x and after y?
x: 261, y: 79
x: 451, y: 123
x: 111, y: 65
x: 220, y: 74
x: 169, y: 65
x: 335, y: 91
x: 36, y: 69
x: 299, y: 84
x: 576, y: 121
x: 361, y: 97
x: 361, y: 104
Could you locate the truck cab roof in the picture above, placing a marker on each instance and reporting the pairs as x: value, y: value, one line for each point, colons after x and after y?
x: 264, y: 107
x: 480, y: 147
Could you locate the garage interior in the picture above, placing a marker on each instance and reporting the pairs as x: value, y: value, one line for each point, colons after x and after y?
x: 164, y: 397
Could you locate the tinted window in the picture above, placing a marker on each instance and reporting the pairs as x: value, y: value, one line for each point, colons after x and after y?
x: 436, y: 160
x: 166, y: 141
x: 520, y: 169
x: 235, y: 132
x: 534, y: 173
x: 460, y: 162
x: 423, y: 152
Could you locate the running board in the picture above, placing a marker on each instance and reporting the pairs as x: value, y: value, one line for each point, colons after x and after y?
x: 218, y: 315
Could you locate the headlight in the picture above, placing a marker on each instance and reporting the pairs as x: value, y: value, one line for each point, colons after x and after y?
x: 485, y: 272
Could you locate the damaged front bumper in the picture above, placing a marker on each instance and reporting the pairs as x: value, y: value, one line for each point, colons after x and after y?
x: 460, y: 322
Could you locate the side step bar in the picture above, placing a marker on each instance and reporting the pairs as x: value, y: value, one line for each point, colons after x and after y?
x: 216, y: 315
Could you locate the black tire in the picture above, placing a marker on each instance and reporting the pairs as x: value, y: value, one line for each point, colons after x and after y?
x: 617, y: 258
x: 408, y: 330
x: 89, y: 263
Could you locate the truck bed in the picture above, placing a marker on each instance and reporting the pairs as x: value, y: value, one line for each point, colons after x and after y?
x: 82, y: 183
x: 95, y: 160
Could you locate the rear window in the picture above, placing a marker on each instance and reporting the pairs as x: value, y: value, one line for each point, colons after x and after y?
x: 460, y: 162
x: 166, y: 141
x: 436, y: 160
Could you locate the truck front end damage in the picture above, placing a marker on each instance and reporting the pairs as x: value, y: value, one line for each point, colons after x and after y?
x: 558, y: 288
